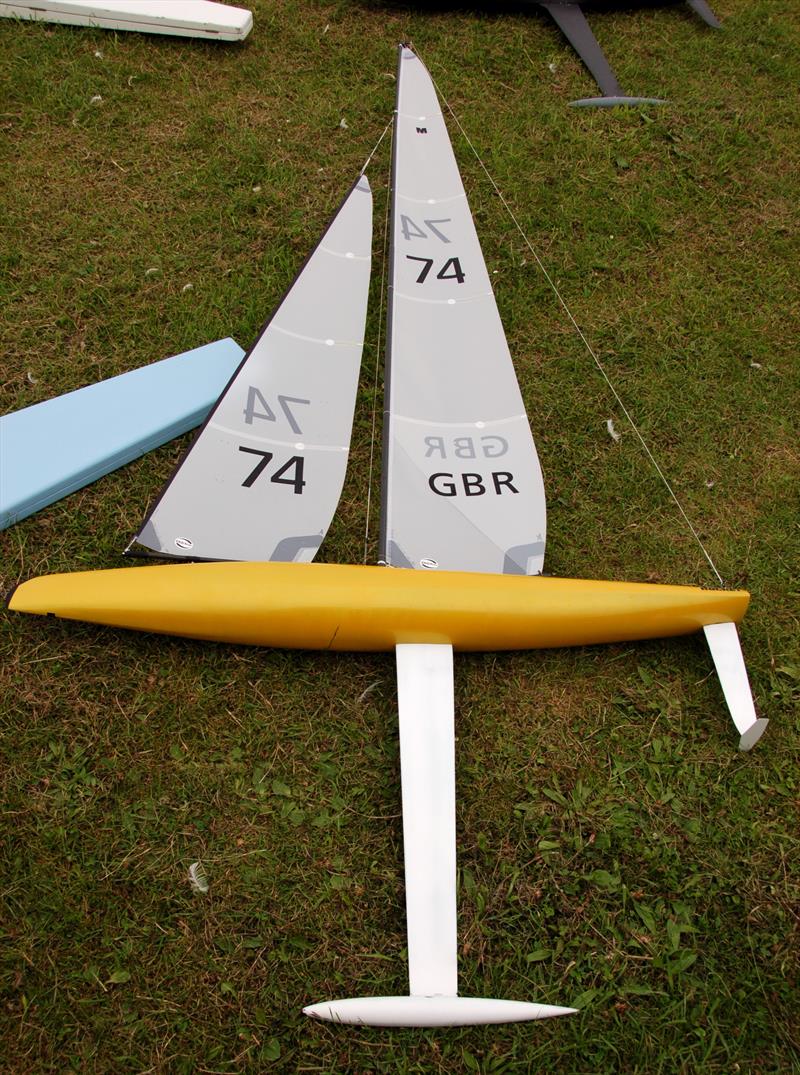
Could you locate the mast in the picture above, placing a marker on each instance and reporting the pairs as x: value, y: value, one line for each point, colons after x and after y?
x: 387, y: 362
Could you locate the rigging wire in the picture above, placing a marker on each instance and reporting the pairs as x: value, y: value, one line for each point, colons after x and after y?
x: 583, y: 338
x: 377, y: 347
x: 375, y: 147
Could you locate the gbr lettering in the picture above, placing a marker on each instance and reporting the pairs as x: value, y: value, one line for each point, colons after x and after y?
x: 467, y: 484
x: 490, y: 447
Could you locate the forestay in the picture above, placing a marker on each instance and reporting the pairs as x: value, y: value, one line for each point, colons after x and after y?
x: 463, y: 486
x: 264, y: 476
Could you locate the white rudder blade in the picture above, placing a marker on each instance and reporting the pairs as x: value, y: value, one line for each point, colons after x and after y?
x: 723, y: 641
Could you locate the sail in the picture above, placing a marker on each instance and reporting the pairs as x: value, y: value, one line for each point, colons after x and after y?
x: 264, y: 476
x: 463, y: 488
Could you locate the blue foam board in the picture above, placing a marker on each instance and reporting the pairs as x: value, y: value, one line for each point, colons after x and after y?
x: 55, y: 447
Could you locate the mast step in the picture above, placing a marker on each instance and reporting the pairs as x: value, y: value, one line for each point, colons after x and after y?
x: 431, y: 1011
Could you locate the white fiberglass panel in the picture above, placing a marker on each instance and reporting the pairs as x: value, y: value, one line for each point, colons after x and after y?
x: 184, y: 18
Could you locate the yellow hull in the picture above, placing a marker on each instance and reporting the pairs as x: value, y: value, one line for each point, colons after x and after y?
x: 347, y: 607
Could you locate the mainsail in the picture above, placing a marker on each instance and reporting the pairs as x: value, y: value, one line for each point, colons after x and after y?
x: 264, y: 476
x: 463, y: 487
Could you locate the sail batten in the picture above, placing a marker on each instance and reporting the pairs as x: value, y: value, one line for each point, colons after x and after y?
x: 444, y: 302
x: 327, y: 341
x: 301, y: 445
x: 264, y: 476
x: 463, y: 489
x: 480, y: 425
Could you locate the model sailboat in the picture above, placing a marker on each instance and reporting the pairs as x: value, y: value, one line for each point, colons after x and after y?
x: 463, y: 522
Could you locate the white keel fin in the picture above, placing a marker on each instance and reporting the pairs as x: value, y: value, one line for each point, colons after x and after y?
x: 427, y: 770
x: 723, y: 641
x: 426, y: 710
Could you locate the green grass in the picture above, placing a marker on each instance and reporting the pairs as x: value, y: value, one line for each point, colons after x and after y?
x: 615, y: 851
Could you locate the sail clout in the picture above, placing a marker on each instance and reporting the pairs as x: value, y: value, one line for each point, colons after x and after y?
x: 264, y: 476
x: 463, y: 488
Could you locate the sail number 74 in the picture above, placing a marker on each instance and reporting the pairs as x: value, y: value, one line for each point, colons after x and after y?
x: 291, y: 473
x: 255, y: 398
x: 451, y: 270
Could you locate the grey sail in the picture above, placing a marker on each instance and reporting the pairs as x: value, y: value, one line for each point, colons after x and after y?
x: 463, y: 488
x: 264, y: 475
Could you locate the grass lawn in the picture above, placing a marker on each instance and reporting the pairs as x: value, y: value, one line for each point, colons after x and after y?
x: 616, y: 852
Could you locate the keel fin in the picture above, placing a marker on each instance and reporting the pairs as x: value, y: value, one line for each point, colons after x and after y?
x: 705, y: 13
x: 571, y: 20
x: 726, y: 650
x: 616, y: 101
x: 428, y: 779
